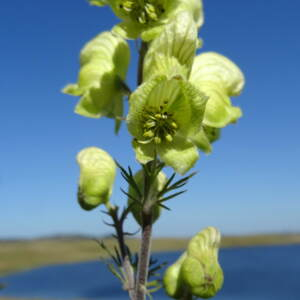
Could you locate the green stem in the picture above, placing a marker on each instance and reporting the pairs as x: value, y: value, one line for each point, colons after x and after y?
x: 145, y: 247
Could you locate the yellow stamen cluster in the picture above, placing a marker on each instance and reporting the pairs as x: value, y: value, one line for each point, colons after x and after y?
x: 158, y: 125
x: 142, y: 11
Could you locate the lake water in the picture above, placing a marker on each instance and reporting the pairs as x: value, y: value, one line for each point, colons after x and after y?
x: 254, y: 273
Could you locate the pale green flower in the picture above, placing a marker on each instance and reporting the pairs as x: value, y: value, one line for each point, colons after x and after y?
x: 103, y: 66
x: 201, y: 271
x: 146, y: 18
x: 167, y: 110
x: 164, y: 113
x: 219, y: 78
x: 197, y: 272
x: 97, y: 175
x: 136, y: 208
x: 172, y: 52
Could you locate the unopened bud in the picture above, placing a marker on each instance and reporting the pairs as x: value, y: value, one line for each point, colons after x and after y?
x: 148, y: 134
x: 201, y: 271
x: 174, y: 125
x: 173, y: 283
x: 169, y: 138
x: 150, y: 124
x: 157, y: 140
x: 158, y: 185
x: 97, y: 175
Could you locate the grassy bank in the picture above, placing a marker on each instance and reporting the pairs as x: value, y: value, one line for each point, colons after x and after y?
x: 22, y: 255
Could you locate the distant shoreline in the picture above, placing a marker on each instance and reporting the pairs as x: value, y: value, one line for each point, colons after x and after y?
x: 17, y: 255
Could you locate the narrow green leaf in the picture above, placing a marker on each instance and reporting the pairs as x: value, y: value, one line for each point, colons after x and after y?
x: 172, y: 196
x: 112, y: 269
x: 163, y: 206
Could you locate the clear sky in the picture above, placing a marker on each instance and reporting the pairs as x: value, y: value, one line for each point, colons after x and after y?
x: 249, y: 184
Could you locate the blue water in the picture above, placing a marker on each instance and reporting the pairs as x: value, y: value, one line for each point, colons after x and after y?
x: 255, y: 273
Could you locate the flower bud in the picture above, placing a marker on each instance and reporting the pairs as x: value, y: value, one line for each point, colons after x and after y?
x: 173, y: 284
x: 136, y: 209
x: 201, y: 271
x: 97, y: 175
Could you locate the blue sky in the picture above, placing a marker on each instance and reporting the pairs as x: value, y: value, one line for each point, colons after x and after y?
x: 249, y: 184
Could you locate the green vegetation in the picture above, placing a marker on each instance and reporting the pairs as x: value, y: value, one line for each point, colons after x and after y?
x: 21, y: 255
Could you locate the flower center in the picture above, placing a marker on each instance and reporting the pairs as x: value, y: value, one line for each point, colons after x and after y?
x: 159, y: 125
x: 142, y: 11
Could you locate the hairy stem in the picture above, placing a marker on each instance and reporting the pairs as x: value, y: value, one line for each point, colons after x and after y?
x: 126, y: 265
x: 145, y: 248
x: 144, y: 256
